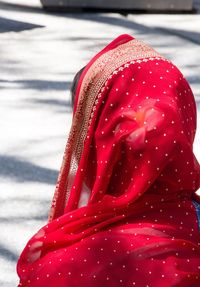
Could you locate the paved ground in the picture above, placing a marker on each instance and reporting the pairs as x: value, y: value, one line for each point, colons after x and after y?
x: 39, y: 53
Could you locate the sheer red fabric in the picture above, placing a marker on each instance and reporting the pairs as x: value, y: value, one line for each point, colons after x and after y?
x: 122, y: 213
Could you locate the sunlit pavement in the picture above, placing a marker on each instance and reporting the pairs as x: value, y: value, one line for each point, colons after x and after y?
x: 39, y: 54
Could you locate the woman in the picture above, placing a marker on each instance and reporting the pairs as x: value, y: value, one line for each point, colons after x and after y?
x: 123, y: 213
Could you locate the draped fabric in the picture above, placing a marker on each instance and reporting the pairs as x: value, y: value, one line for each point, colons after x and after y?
x: 122, y: 212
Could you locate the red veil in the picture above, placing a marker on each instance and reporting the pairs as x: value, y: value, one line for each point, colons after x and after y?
x: 122, y: 213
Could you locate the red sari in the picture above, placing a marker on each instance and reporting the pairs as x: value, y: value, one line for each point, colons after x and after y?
x: 122, y: 213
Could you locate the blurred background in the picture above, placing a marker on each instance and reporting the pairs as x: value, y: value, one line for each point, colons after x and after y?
x: 41, y: 47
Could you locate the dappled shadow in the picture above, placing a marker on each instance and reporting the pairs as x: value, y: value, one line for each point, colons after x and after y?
x: 197, y: 100
x: 63, y: 105
x: 191, y: 36
x: 36, y: 84
x: 194, y: 79
x: 42, y: 85
x: 150, y: 34
x: 8, y: 25
x: 52, y: 102
x: 24, y: 200
x: 21, y: 171
x: 23, y: 219
x: 8, y: 254
x: 111, y: 20
x: 131, y: 24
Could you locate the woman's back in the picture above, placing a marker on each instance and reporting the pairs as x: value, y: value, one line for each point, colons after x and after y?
x: 130, y: 152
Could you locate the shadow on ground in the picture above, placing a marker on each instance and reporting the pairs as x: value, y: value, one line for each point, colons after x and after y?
x: 23, y: 171
x: 9, y: 25
x: 8, y: 254
x: 36, y: 84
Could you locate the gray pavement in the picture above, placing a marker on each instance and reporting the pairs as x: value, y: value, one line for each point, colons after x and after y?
x: 39, y: 54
